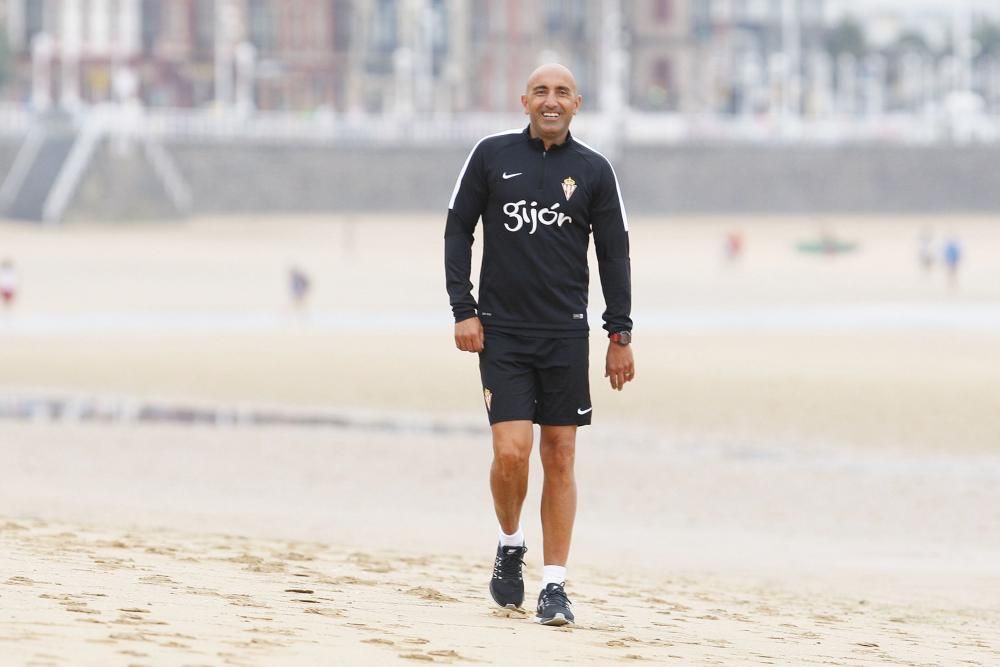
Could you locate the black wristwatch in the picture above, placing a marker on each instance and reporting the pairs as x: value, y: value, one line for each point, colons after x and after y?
x: 621, y: 337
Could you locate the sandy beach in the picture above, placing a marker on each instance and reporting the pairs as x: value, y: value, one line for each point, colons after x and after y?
x: 806, y: 470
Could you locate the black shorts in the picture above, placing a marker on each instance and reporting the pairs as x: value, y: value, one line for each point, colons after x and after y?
x: 544, y: 380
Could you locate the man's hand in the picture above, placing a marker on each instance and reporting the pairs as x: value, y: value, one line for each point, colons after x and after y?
x: 620, y: 367
x: 469, y: 335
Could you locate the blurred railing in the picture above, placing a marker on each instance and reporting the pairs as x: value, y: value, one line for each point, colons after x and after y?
x: 630, y: 127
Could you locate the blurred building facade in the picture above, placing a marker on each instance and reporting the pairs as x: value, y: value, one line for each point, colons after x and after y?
x: 721, y: 57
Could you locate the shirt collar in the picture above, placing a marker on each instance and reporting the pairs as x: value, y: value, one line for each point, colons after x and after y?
x: 538, y: 143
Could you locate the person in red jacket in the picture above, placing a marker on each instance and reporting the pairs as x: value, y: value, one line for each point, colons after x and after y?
x: 8, y: 282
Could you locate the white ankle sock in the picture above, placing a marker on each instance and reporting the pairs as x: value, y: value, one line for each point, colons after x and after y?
x: 553, y: 574
x: 515, y: 540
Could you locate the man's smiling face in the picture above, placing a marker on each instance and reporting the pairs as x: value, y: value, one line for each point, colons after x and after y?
x: 551, y: 101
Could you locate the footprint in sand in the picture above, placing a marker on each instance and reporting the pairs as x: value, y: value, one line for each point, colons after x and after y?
x: 71, y: 604
x: 419, y: 561
x: 20, y: 581
x: 157, y: 579
x: 347, y: 581
x: 258, y: 642
x: 112, y: 544
x: 445, y: 653
x: 161, y: 551
x: 239, y: 600
x: 431, y: 656
x: 509, y: 613
x: 324, y: 611
x: 379, y: 641
x: 369, y: 564
x: 10, y: 525
x: 108, y: 563
x: 294, y: 556
x: 134, y: 654
x: 272, y: 631
x: 430, y: 594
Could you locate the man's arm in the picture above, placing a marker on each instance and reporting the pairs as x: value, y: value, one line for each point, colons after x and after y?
x: 610, y: 226
x: 468, y: 201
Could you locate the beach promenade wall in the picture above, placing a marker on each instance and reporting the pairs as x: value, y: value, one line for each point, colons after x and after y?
x: 264, y: 178
x: 728, y: 179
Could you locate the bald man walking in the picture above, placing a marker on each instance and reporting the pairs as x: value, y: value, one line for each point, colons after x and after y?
x: 541, y: 193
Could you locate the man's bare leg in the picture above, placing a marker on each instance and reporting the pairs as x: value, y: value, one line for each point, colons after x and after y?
x: 509, y: 472
x: 558, y: 451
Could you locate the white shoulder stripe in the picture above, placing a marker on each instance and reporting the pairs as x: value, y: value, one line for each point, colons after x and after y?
x: 621, y: 202
x: 458, y: 183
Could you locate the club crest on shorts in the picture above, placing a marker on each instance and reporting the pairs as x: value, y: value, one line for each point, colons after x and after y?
x: 488, y: 397
x: 569, y: 187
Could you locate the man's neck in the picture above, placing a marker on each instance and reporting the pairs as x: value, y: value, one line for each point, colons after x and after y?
x: 549, y: 143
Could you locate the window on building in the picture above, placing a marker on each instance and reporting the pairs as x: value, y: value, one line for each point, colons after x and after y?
x: 553, y: 16
x: 663, y: 11
x: 439, y: 35
x: 203, y: 15
x: 480, y: 13
x: 260, y: 25
x: 152, y: 24
x: 34, y: 19
x: 384, y: 28
x: 341, y: 17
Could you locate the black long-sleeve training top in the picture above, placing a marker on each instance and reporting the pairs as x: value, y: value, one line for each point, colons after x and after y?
x: 538, y: 209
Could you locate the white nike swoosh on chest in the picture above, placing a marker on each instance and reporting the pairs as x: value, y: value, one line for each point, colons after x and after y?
x: 583, y: 412
x: 506, y: 175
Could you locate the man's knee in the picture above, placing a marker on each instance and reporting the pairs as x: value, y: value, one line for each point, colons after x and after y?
x: 558, y: 450
x: 512, y: 446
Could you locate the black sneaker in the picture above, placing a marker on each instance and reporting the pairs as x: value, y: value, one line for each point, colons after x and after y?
x: 507, y: 586
x: 554, y: 607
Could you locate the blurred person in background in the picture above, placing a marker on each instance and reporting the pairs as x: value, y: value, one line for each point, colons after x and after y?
x: 732, y: 248
x: 952, y: 258
x: 8, y: 282
x: 298, y: 287
x: 540, y: 193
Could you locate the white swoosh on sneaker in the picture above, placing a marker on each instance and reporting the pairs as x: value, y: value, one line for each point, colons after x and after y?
x: 583, y: 412
x: 506, y: 175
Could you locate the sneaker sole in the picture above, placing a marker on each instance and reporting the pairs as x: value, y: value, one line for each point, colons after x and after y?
x: 557, y: 620
x: 503, y: 605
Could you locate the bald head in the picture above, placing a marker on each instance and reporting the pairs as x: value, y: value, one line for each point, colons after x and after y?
x: 550, y: 100
x: 552, y: 71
